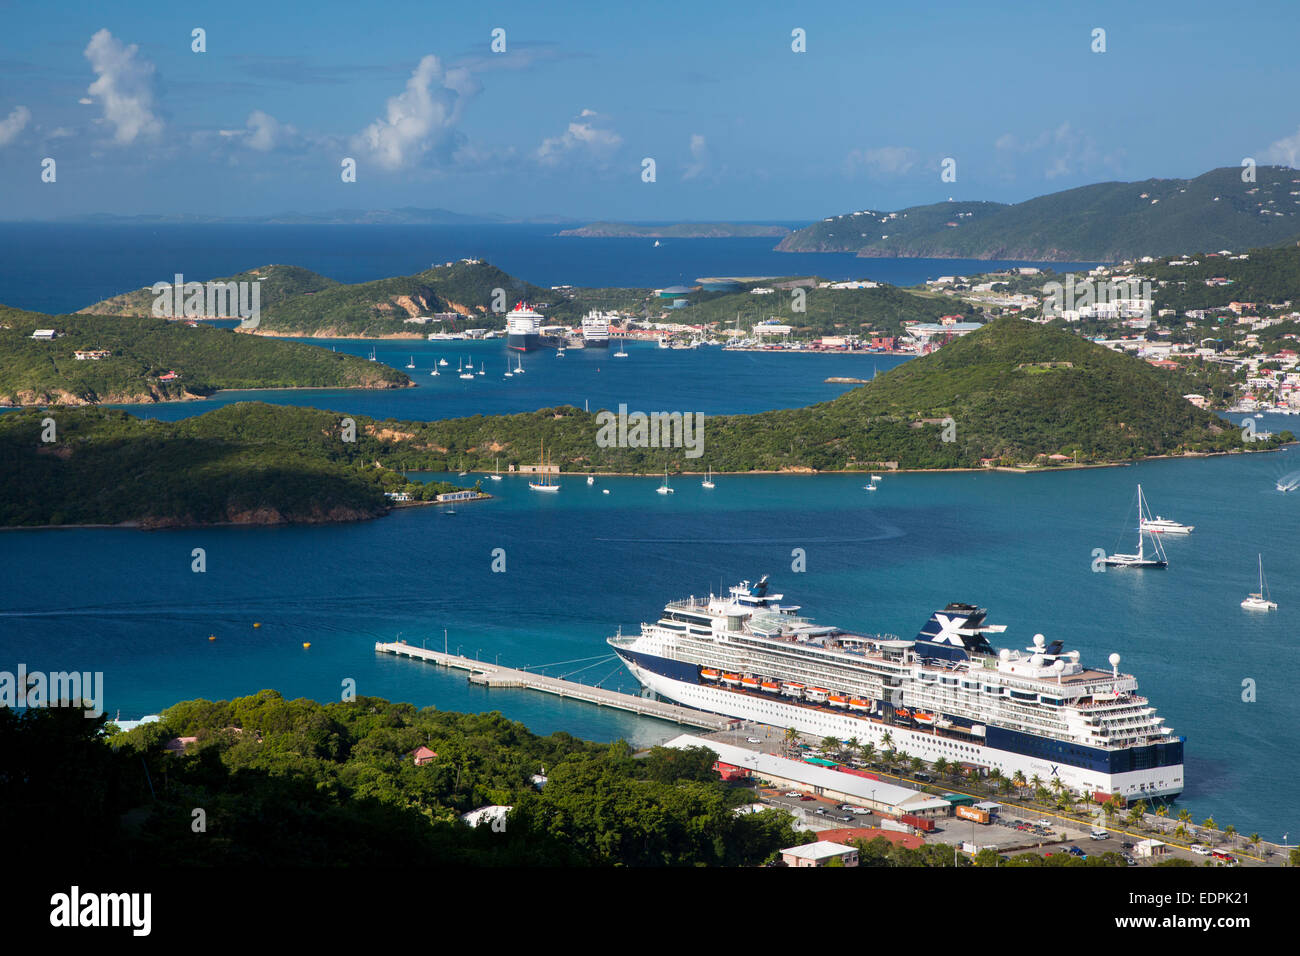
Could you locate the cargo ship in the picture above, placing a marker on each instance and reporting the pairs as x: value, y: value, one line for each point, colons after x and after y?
x: 947, y: 693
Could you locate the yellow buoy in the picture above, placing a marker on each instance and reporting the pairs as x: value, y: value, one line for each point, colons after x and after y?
x: 257, y: 624
x: 212, y: 637
x: 306, y: 643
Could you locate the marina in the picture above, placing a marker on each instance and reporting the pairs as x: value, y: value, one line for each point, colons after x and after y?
x: 493, y: 675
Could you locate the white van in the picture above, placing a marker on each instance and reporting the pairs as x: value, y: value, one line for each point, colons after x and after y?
x: 1099, y: 834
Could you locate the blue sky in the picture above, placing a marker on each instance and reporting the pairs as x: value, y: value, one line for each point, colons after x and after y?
x: 739, y: 125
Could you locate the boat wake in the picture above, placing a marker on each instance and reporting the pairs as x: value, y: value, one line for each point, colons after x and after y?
x: 1289, y: 482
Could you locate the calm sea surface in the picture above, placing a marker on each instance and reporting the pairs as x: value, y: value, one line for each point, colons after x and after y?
x: 581, y: 564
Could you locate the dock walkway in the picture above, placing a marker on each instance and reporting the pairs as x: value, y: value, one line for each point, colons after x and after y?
x: 493, y: 675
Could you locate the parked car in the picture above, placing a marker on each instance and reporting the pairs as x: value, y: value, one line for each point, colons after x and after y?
x: 806, y: 796
x: 1199, y: 849
x: 821, y: 810
x: 1126, y: 846
x: 924, y: 776
x: 792, y: 793
x: 1128, y: 859
x: 1076, y: 852
x: 753, y: 740
x: 847, y: 818
x: 1098, y: 834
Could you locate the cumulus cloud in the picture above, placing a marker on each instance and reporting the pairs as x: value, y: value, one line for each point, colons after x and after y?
x: 883, y: 161
x: 699, y: 157
x: 266, y: 133
x: 13, y: 124
x: 421, y: 118
x: 1285, y: 151
x: 585, y: 138
x: 124, y: 88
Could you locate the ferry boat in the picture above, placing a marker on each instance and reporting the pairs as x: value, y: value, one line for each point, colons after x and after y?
x: 946, y: 693
x: 595, y: 330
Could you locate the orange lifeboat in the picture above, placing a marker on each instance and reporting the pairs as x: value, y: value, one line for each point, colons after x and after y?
x: 921, y: 717
x: 732, y: 679
x: 708, y: 673
x: 771, y: 686
x: 903, y: 713
x: 838, y: 700
x: 749, y: 683
x: 857, y: 703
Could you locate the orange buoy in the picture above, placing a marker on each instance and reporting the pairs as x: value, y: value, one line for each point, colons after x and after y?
x: 257, y: 624
x: 306, y: 644
x: 212, y: 637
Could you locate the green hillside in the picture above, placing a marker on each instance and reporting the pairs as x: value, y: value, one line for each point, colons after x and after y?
x: 1103, y: 222
x: 684, y: 230
x: 243, y: 464
x: 276, y: 284
x: 144, y: 350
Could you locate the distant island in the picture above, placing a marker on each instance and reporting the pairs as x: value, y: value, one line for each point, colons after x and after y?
x: 91, y: 360
x: 1104, y: 222
x: 686, y: 230
x: 402, y: 216
x: 1014, y: 394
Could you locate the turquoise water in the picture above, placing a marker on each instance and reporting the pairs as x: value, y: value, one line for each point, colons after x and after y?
x: 708, y: 379
x: 581, y: 564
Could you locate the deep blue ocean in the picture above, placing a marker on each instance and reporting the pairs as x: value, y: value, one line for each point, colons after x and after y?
x: 63, y: 267
x: 581, y: 564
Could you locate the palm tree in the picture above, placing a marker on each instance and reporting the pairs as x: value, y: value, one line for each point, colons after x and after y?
x: 790, y: 740
x: 887, y: 739
x: 1137, y: 812
x: 1184, y: 815
x: 1018, y: 778
x: 916, y: 765
x: 1231, y: 833
x: 830, y: 745
x: 1211, y: 826
x: 1180, y: 831
x: 1042, y: 794
x: 1254, y: 841
x: 941, y: 766
x: 853, y: 746
x: 1036, y: 782
x: 867, y: 750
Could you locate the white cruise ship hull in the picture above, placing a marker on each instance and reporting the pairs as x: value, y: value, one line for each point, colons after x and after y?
x: 1164, y: 782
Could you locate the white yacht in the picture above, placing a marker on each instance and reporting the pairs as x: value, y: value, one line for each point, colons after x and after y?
x: 708, y: 479
x: 665, y: 488
x: 1159, y: 525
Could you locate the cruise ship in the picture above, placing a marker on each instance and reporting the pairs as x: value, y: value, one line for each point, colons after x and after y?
x: 523, y: 328
x: 595, y: 330
x: 946, y: 693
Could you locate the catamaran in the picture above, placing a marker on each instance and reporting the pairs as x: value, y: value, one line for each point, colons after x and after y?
x: 545, y: 484
x: 1141, y: 559
x: 463, y: 372
x: 620, y: 353
x: 371, y: 356
x: 519, y: 367
x: 708, y: 479
x: 1259, y: 600
x: 665, y: 488
x: 411, y: 363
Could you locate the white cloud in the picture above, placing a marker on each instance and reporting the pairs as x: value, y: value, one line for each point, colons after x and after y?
x: 124, y: 87
x: 583, y: 139
x: 883, y: 161
x: 265, y: 132
x: 1285, y: 151
x: 420, y: 119
x: 13, y: 124
x: 699, y: 157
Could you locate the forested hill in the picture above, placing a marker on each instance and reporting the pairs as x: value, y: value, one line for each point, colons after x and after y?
x: 1103, y: 222
x: 154, y: 360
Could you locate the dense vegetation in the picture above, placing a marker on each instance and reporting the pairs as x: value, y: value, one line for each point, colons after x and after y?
x: 243, y: 464
x: 304, y: 784
x: 1267, y: 276
x: 276, y: 284
x: 144, y: 349
x: 1102, y: 222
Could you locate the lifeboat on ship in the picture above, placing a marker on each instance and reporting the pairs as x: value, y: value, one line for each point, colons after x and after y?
x: 902, y: 713
x: 772, y: 686
x: 922, y: 717
x: 708, y: 673
x: 792, y: 689
x: 817, y: 695
x: 838, y: 700
x: 732, y: 679
x: 857, y: 703
x: 749, y: 683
